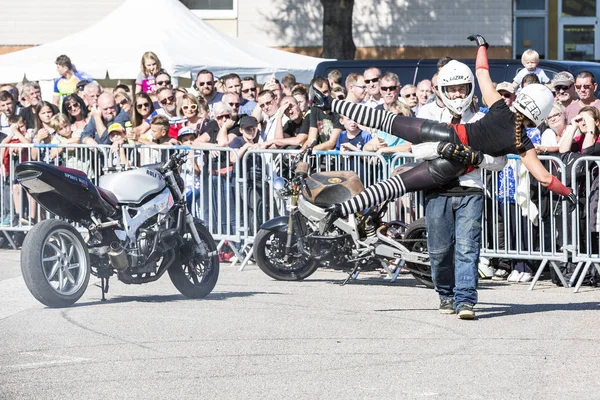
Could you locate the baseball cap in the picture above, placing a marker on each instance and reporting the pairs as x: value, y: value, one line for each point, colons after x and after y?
x: 506, y: 86
x: 186, y: 130
x: 248, y: 122
x: 563, y: 78
x: 116, y: 127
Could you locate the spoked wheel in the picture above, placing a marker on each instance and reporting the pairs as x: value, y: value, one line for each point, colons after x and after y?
x: 195, y: 273
x: 269, y: 254
x: 55, y: 263
x: 416, y: 236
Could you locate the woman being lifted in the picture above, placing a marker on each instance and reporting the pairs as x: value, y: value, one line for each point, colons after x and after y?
x: 499, y: 133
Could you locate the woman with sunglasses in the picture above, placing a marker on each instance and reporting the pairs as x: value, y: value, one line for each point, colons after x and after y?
x: 140, y: 112
x: 194, y: 110
x: 74, y: 107
x: 500, y: 132
x: 124, y: 101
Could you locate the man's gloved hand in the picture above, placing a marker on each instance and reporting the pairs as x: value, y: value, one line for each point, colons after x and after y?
x: 476, y: 37
x: 459, y: 153
x: 571, y: 200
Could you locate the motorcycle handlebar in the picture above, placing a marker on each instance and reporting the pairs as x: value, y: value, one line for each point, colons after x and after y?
x: 175, y: 161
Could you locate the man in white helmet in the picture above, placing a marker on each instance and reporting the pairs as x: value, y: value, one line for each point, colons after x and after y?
x: 454, y: 212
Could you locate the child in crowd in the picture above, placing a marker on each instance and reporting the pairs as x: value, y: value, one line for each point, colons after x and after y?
x: 158, y: 134
x: 62, y: 126
x: 530, y: 60
x: 43, y: 131
x: 150, y: 67
x: 353, y: 138
x: 117, y: 158
x: 10, y: 158
x: 191, y: 169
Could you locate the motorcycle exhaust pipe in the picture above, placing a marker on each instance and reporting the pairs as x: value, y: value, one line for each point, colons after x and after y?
x: 117, y: 256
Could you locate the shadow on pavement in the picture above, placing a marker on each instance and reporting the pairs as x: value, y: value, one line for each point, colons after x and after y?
x: 493, y: 310
x: 168, y: 298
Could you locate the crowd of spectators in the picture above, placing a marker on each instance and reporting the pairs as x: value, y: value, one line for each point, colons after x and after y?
x: 238, y: 113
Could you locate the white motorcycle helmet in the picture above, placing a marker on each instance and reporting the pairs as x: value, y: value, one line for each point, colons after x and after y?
x: 534, y: 101
x: 456, y: 73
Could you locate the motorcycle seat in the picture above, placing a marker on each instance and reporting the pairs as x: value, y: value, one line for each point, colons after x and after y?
x: 326, y: 188
x: 108, y: 196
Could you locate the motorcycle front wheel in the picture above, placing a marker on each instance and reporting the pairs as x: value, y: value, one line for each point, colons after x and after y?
x: 195, y: 274
x: 55, y: 263
x: 269, y: 253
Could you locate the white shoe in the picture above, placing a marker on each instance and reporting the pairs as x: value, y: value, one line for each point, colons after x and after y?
x: 525, y: 277
x: 514, y: 276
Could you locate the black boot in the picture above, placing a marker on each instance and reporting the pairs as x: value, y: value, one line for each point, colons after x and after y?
x: 334, y: 211
x: 321, y: 101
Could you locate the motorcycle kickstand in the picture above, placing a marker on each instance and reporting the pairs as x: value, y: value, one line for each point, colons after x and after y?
x: 103, y: 287
x: 396, y: 271
x: 353, y: 274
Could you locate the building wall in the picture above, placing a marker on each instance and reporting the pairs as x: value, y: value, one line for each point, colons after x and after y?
x: 388, y: 23
x: 382, y: 28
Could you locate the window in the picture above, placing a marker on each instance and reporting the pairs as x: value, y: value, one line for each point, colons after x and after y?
x: 530, y: 27
x: 213, y: 9
x: 578, y: 8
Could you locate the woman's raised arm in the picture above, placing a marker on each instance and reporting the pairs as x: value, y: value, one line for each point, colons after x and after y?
x: 482, y: 71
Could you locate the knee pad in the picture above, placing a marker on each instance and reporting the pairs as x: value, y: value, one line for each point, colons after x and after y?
x: 444, y: 172
x: 432, y: 131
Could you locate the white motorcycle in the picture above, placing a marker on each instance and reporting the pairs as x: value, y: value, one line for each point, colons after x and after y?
x: 139, y: 228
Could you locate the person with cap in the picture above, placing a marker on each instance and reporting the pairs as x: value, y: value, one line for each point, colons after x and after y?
x: 117, y: 158
x: 507, y: 91
x: 563, y: 84
x: 249, y: 140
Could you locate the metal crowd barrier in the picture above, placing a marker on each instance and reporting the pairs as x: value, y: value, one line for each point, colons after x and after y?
x: 584, y: 232
x: 233, y: 200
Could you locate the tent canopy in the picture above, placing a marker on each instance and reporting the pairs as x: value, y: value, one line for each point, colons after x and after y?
x: 185, y: 46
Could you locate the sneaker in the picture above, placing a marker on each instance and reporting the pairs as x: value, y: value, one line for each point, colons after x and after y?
x: 525, y: 277
x: 446, y: 307
x: 514, y: 276
x: 465, y: 311
x: 500, y: 275
x: 6, y: 222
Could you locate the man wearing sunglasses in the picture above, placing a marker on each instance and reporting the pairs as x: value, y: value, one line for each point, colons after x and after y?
x: 233, y: 84
x: 168, y: 107
x: 507, y: 91
x: 373, y: 97
x: 563, y: 84
x: 324, y: 127
x: 389, y: 89
x: 249, y: 88
x: 205, y: 87
x: 586, y: 87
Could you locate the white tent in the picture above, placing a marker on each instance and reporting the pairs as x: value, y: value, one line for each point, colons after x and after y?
x: 183, y: 42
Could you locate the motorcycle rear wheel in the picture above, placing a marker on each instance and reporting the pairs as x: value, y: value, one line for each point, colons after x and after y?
x: 418, y: 231
x: 55, y: 263
x: 195, y: 275
x: 269, y: 250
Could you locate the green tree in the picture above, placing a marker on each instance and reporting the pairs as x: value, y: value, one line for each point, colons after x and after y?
x: 337, y: 29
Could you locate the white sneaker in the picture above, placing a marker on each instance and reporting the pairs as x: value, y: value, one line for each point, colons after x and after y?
x: 525, y: 277
x: 514, y: 276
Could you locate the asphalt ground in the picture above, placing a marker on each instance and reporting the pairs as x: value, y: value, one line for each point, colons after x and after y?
x: 256, y: 338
